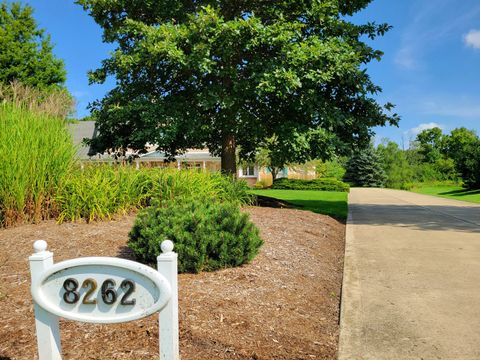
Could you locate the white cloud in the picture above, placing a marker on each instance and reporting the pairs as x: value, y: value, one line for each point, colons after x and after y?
x: 405, y: 58
x: 472, y: 39
x: 417, y: 130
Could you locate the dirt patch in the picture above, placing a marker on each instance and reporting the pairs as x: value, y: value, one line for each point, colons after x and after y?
x: 284, y: 305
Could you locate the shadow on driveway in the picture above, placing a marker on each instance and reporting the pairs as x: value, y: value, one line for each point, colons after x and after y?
x: 432, y: 217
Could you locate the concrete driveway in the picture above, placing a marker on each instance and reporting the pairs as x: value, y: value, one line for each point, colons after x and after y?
x: 411, y: 287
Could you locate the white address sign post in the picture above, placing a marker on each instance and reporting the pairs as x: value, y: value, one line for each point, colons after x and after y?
x: 103, y: 290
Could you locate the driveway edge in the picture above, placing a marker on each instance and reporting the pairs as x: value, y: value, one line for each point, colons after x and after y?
x: 351, y: 306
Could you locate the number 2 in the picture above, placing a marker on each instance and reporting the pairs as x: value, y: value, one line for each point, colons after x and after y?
x: 130, y: 286
x: 93, y: 286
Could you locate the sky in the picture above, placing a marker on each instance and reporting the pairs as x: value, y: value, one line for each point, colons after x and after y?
x: 430, y: 70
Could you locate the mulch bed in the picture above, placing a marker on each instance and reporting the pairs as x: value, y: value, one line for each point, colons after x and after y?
x: 284, y: 305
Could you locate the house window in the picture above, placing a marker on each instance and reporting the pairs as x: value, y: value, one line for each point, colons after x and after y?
x: 248, y: 171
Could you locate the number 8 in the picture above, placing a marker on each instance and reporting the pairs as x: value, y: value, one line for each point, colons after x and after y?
x: 71, y: 285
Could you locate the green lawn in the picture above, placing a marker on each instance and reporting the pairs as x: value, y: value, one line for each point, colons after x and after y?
x: 450, y: 192
x: 323, y: 202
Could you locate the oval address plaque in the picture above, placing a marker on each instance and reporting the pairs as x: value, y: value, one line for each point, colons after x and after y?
x: 101, y: 290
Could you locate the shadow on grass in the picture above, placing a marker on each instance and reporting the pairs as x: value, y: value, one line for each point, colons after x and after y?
x: 336, y: 209
x: 461, y: 192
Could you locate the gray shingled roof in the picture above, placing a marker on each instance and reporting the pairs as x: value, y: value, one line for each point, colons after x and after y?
x: 86, y: 129
x: 188, y: 156
x: 80, y: 131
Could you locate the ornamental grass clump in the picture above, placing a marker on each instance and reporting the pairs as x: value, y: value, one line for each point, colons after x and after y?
x: 36, y: 155
x: 101, y: 191
x: 208, y: 235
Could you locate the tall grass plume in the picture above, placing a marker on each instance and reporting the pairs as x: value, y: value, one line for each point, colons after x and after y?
x: 36, y: 154
x: 56, y: 103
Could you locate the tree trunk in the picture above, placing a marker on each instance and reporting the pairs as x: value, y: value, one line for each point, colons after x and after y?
x: 229, y: 158
x: 274, y: 172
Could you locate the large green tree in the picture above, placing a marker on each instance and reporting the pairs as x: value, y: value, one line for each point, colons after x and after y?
x: 431, y: 143
x: 221, y: 73
x: 395, y: 163
x: 293, y: 148
x: 463, y: 146
x: 26, y: 51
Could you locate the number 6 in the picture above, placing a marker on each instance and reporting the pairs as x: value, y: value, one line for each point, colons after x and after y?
x: 109, y: 295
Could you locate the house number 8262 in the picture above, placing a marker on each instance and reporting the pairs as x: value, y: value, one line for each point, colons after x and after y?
x: 108, y: 292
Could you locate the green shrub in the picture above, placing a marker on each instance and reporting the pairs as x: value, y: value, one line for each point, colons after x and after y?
x: 316, y: 184
x: 208, y: 235
x: 36, y: 155
x: 261, y: 184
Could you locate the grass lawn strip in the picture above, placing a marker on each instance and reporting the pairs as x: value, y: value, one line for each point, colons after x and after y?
x: 330, y: 203
x: 450, y: 192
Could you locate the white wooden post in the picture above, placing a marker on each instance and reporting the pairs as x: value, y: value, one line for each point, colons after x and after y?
x: 46, y: 322
x: 167, y: 266
x: 48, y: 333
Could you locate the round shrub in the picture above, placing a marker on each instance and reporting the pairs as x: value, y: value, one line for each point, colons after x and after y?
x: 208, y: 235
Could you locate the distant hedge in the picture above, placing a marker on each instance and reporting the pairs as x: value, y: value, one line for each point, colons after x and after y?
x: 316, y: 184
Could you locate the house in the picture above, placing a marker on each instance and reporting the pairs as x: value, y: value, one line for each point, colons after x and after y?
x: 82, y: 130
x: 192, y: 159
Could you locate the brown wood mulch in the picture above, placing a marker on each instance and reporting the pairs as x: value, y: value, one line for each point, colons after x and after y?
x: 284, y: 305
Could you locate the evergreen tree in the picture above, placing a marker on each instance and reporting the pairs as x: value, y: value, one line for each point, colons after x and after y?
x: 25, y: 51
x: 365, y: 169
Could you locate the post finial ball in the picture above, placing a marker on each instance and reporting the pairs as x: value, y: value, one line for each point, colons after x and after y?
x: 167, y: 246
x: 39, y: 246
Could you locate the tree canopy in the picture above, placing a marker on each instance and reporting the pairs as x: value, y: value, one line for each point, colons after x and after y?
x: 26, y: 51
x: 431, y: 144
x: 226, y: 73
x: 463, y: 146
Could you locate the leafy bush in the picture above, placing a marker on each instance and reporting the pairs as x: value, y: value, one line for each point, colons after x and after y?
x: 101, y: 191
x: 316, y: 184
x: 208, y: 235
x: 261, y: 184
x: 331, y: 169
x: 36, y: 155
x: 400, y: 173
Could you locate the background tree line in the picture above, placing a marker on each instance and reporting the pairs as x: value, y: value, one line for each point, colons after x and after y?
x: 432, y: 157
